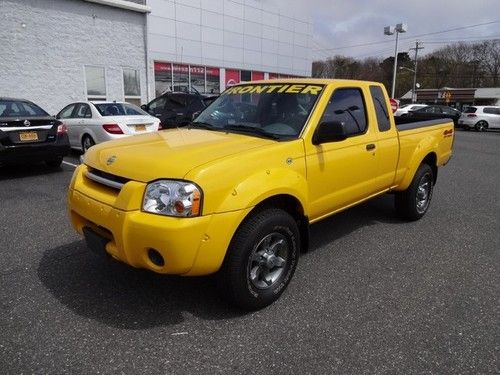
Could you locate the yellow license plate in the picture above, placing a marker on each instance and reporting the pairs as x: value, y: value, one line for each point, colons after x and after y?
x: 140, y: 128
x: 28, y: 136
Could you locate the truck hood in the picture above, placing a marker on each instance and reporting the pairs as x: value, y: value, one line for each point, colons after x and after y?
x: 167, y: 154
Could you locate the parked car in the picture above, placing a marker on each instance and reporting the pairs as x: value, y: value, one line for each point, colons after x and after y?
x: 403, y: 110
x: 177, y: 108
x: 94, y: 122
x: 29, y: 134
x: 480, y: 118
x: 436, y: 111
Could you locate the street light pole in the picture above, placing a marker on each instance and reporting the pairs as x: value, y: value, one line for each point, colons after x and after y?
x: 389, y: 30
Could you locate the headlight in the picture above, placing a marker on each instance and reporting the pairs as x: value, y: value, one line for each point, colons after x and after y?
x: 172, y: 198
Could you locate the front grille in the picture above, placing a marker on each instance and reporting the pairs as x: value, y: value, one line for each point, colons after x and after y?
x: 107, y: 179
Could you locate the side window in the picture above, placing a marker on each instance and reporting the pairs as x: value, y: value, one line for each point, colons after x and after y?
x: 347, y: 106
x: 491, y: 110
x: 66, y: 112
x: 83, y: 111
x: 196, y: 104
x: 158, y: 105
x: 380, y: 104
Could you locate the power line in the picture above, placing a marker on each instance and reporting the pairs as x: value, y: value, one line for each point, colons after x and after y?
x: 411, y: 37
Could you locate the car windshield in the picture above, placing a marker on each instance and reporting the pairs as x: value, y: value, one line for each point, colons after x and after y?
x: 276, y: 110
x: 119, y: 109
x: 18, y: 108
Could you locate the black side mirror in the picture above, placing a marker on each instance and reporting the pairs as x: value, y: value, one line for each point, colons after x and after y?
x: 145, y: 107
x: 329, y: 131
x: 195, y: 114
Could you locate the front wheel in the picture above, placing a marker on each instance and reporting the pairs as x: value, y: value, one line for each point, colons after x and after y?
x: 261, y: 259
x: 414, y: 202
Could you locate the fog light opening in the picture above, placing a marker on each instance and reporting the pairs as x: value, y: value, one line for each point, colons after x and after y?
x: 156, y: 258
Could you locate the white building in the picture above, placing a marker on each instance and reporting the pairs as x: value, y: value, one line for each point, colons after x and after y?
x: 59, y: 51
x: 208, y: 44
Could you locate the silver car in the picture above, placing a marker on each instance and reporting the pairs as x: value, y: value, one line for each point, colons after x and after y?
x: 480, y: 118
x: 93, y: 122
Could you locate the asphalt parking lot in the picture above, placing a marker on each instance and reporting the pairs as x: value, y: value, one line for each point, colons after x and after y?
x: 373, y: 295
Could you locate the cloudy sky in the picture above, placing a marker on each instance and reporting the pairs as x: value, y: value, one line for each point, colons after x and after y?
x: 355, y: 27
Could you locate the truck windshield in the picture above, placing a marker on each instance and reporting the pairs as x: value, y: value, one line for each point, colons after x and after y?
x: 279, y: 110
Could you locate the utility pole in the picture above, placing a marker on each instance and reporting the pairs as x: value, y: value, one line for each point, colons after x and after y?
x: 413, y: 92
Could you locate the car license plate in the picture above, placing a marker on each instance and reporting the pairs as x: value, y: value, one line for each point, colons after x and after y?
x: 28, y: 136
x: 140, y: 128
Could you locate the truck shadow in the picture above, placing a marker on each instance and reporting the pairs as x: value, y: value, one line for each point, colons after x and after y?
x: 127, y: 298
x: 18, y: 171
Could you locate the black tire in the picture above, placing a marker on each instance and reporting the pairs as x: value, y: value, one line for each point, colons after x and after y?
x: 481, y: 126
x: 413, y: 203
x: 87, y: 142
x: 261, y: 259
x: 54, y: 163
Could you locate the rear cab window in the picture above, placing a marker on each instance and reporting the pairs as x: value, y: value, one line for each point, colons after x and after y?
x: 381, y: 109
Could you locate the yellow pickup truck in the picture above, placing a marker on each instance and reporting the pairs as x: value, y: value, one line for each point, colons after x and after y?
x: 234, y: 191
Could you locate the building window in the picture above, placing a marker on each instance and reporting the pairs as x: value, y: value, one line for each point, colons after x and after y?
x: 95, y: 80
x: 132, y: 86
x: 186, y: 78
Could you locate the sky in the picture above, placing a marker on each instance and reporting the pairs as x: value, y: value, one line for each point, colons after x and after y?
x: 340, y: 27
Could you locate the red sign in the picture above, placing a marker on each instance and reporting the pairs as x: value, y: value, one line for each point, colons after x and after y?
x: 257, y: 76
x: 394, y: 105
x: 162, y: 67
x: 213, y: 71
x: 232, y: 77
x: 273, y: 76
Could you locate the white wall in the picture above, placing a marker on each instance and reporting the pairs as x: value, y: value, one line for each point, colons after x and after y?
x: 45, y: 45
x: 243, y: 34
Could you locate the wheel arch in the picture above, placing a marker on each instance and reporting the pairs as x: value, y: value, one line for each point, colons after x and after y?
x: 294, y: 208
x: 430, y: 159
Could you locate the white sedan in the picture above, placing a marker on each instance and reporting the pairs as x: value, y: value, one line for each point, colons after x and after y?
x: 403, y: 110
x: 93, y: 122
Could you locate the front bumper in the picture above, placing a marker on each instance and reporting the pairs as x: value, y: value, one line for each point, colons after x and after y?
x: 188, y: 246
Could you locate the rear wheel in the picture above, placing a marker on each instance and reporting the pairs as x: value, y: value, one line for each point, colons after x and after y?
x: 413, y: 203
x: 54, y: 163
x: 481, y: 126
x: 87, y: 142
x: 261, y: 259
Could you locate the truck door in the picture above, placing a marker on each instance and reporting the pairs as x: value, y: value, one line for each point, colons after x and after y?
x: 341, y: 173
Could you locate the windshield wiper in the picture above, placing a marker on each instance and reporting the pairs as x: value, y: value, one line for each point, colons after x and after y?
x: 251, y: 130
x: 202, y: 125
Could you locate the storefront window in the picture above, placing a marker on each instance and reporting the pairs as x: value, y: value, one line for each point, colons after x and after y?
x: 186, y: 78
x: 197, y: 78
x: 163, y: 77
x: 213, y: 82
x: 180, y: 78
x: 96, y: 82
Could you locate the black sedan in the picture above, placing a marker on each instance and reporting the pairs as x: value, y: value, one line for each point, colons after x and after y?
x: 436, y: 111
x: 29, y: 134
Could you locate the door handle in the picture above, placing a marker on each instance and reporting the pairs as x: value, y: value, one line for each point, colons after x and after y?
x: 370, y: 147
